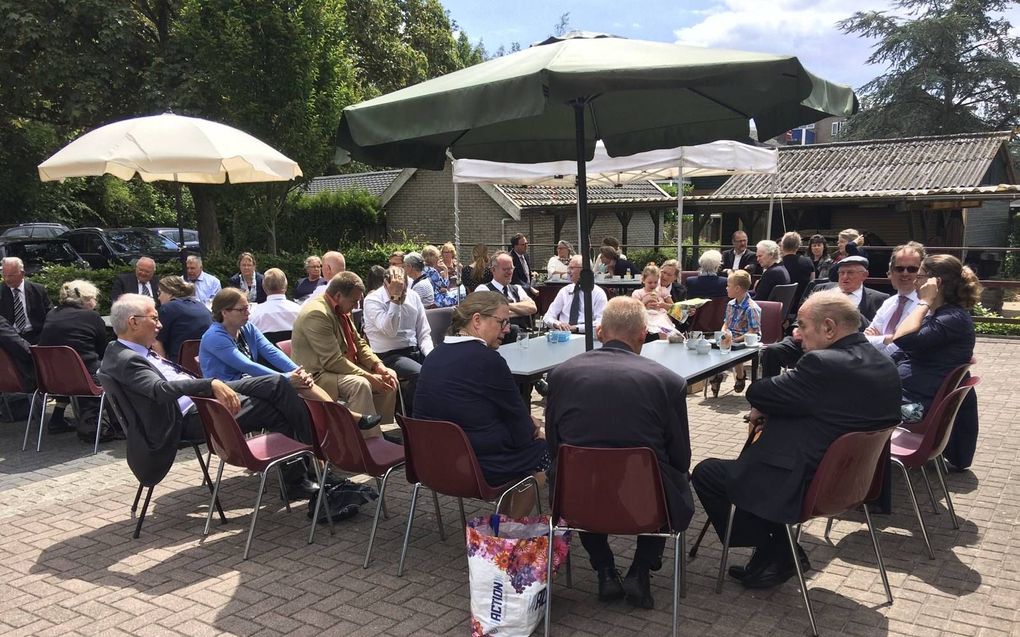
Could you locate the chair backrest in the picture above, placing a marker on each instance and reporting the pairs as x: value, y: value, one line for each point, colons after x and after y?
x: 443, y: 459
x: 336, y: 437
x: 615, y: 491
x: 845, y: 475
x: 285, y: 347
x: 949, y: 383
x: 439, y: 322
x: 785, y: 294
x: 771, y: 321
x: 940, y: 427
x: 686, y: 274
x: 709, y: 316
x: 59, y: 370
x: 223, y: 433
x: 10, y: 375
x: 187, y: 356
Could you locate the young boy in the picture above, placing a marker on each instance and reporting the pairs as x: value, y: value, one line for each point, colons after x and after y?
x: 743, y: 316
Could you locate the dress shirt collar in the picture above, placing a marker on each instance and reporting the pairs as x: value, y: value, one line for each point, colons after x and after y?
x: 276, y: 297
x: 19, y: 287
x: 141, y: 350
x: 463, y: 339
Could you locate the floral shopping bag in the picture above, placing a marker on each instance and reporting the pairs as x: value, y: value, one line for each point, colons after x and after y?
x: 507, y: 560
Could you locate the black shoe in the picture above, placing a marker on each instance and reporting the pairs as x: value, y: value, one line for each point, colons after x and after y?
x: 304, y: 490
x: 542, y: 387
x: 775, y: 572
x: 108, y: 434
x: 395, y: 436
x: 368, y: 421
x: 754, y: 565
x: 60, y: 426
x: 610, y: 584
x: 638, y: 588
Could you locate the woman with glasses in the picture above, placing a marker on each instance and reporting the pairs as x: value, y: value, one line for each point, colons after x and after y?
x: 307, y: 285
x: 556, y: 269
x: 467, y: 382
x: 247, y: 279
x: 183, y: 317
x: 937, y: 337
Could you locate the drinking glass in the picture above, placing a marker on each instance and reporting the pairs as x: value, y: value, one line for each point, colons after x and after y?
x: 522, y: 340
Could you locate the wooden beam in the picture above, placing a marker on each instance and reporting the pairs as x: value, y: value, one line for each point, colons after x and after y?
x: 656, y: 233
x: 624, y: 216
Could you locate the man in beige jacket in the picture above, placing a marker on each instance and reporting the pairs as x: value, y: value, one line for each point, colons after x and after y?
x: 327, y: 345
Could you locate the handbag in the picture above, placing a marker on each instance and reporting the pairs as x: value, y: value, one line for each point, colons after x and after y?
x: 342, y: 500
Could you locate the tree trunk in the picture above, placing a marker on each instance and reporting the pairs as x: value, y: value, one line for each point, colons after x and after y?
x: 205, y: 212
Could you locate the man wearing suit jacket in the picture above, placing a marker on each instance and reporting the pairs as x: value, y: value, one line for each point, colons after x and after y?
x: 325, y: 342
x: 23, y: 303
x: 142, y: 281
x: 800, y: 414
x: 739, y: 257
x: 158, y: 408
x: 522, y: 263
x: 852, y: 272
x: 639, y: 403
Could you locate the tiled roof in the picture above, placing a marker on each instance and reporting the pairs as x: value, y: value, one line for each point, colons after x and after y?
x: 910, y: 166
x: 544, y: 196
x: 375, y: 183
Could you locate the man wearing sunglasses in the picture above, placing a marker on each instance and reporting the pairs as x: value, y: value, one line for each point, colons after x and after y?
x: 903, y: 267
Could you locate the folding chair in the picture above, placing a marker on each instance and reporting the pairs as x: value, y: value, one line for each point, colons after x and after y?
x: 187, y: 357
x: 61, y: 372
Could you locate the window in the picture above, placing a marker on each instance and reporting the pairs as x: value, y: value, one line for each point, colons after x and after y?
x: 837, y: 128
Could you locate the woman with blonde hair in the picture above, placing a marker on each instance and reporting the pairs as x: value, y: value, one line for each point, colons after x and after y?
x: 477, y: 272
x: 75, y: 323
x: 444, y: 295
x: 556, y: 269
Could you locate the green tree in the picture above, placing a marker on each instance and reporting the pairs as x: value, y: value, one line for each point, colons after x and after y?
x: 951, y: 69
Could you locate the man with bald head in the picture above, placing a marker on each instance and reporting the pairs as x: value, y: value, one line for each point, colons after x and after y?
x: 612, y: 397
x: 795, y: 417
x: 333, y: 263
x: 141, y: 281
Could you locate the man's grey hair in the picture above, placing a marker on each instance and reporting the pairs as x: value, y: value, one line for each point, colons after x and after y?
x: 790, y: 242
x: 274, y: 281
x: 126, y: 306
x: 833, y: 304
x: 623, y: 316
x: 710, y: 261
x: 414, y: 261
x: 194, y: 258
x: 770, y: 247
x: 495, y: 257
x: 13, y: 260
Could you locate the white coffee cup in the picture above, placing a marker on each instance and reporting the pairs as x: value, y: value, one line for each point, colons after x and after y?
x: 750, y: 339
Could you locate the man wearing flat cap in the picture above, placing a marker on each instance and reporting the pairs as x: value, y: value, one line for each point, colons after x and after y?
x: 853, y: 270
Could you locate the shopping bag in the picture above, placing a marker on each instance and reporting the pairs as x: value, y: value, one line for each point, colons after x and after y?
x: 507, y: 560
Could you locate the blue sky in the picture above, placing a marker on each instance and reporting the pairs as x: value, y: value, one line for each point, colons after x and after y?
x: 805, y: 28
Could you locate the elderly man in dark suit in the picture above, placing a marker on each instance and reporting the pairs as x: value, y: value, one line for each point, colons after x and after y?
x: 141, y: 281
x: 158, y: 408
x: 23, y: 303
x: 523, y: 273
x: 612, y: 397
x: 797, y: 416
x: 738, y: 257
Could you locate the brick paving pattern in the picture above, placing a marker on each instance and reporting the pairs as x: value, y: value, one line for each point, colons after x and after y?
x: 68, y: 565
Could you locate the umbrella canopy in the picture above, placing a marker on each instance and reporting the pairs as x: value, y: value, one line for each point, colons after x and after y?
x: 553, y: 100
x: 170, y: 148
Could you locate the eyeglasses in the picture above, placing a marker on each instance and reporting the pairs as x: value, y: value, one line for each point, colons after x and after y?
x: 502, y: 322
x: 910, y: 269
x: 246, y: 308
x: 148, y: 316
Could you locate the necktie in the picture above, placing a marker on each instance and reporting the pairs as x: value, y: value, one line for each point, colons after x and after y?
x: 146, y: 290
x: 347, y: 327
x: 575, y: 307
x: 20, y: 317
x: 894, y: 320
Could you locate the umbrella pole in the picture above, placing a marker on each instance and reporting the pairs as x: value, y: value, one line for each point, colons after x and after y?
x: 179, y: 204
x: 680, y: 211
x: 456, y: 217
x: 587, y: 283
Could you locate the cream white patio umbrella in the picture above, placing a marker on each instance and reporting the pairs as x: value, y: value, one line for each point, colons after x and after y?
x: 170, y: 147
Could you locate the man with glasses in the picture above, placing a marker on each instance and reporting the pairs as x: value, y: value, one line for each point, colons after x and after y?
x: 23, y: 303
x: 567, y: 310
x: 141, y: 281
x: 903, y: 267
x: 158, y: 406
x: 522, y: 306
x: 739, y: 257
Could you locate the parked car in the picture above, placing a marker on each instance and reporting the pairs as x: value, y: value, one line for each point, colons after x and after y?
x: 190, y: 238
x: 34, y: 231
x: 37, y: 252
x: 104, y: 247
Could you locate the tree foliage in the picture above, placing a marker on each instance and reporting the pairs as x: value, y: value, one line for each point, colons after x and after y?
x: 951, y: 69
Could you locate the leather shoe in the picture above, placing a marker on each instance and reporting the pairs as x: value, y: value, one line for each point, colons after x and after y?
x: 542, y: 387
x: 610, y: 584
x: 368, y: 421
x: 779, y: 569
x: 59, y: 426
x: 394, y: 435
x: 304, y: 490
x: 759, y: 560
x: 638, y: 588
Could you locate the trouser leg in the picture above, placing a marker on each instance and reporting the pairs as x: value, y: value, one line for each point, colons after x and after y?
x: 597, y: 546
x: 648, y: 553
x: 407, y: 369
x: 272, y: 404
x: 709, y: 479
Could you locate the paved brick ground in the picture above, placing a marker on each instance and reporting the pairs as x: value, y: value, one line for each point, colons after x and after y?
x: 68, y: 564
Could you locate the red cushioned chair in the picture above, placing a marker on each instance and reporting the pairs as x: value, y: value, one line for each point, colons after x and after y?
x: 10, y: 382
x: 59, y: 371
x: 616, y: 492
x: 338, y: 441
x: 910, y: 450
x: 258, y: 454
x: 709, y: 317
x: 848, y: 476
x: 187, y: 357
x: 949, y: 383
x: 284, y: 346
x: 444, y: 461
x: 771, y: 321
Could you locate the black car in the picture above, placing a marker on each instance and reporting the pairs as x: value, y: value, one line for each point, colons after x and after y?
x: 34, y: 231
x: 34, y: 253
x: 105, y: 247
x: 190, y: 238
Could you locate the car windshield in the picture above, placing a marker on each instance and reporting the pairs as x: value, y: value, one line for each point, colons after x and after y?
x: 50, y: 251
x: 35, y: 232
x: 139, y: 242
x: 171, y: 234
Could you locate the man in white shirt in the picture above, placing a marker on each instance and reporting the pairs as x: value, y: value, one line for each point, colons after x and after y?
x: 275, y: 316
x: 333, y: 263
x: 739, y: 257
x: 414, y: 266
x: 398, y: 331
x: 206, y: 285
x: 903, y: 266
x: 522, y: 306
x: 567, y: 310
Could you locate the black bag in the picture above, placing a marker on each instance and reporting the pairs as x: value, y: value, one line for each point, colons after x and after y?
x: 343, y: 500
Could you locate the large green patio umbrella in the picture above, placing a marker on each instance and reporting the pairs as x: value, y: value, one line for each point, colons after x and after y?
x: 552, y: 101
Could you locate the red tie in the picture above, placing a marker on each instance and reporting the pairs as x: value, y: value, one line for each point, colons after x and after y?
x: 894, y: 320
x: 348, y: 329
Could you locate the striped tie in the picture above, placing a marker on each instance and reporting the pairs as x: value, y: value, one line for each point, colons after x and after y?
x: 20, y: 317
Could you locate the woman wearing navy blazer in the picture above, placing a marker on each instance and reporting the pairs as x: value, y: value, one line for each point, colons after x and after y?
x: 937, y: 337
x: 181, y: 315
x: 248, y: 280
x: 707, y: 284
